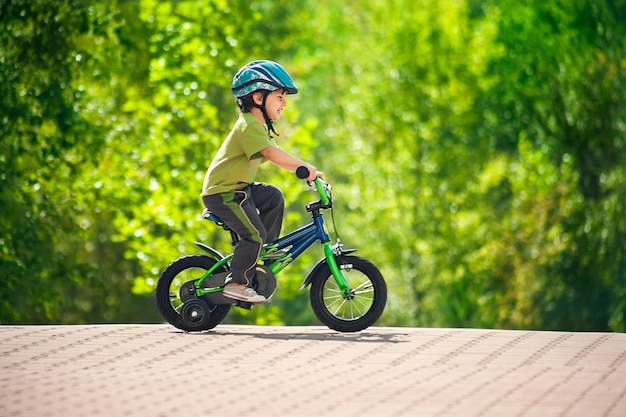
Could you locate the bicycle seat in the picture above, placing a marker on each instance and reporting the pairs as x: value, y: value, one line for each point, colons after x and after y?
x: 208, y: 215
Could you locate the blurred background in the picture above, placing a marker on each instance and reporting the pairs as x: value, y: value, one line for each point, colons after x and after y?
x: 476, y: 148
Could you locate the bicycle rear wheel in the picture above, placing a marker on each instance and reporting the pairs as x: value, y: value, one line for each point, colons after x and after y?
x: 173, y: 285
x: 360, y: 307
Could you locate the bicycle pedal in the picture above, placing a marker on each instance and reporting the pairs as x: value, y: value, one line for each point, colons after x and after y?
x: 244, y: 304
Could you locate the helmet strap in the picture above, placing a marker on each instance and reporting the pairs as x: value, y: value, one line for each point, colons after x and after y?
x: 269, y: 122
x: 248, y: 101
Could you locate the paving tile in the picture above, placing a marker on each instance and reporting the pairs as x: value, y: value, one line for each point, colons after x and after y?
x: 157, y: 371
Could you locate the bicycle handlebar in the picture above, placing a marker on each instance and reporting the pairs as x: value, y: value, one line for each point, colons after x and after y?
x: 321, y: 186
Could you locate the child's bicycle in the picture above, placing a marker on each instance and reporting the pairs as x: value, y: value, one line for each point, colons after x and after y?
x: 348, y: 293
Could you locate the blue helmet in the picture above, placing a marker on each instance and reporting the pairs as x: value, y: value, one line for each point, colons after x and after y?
x: 262, y: 75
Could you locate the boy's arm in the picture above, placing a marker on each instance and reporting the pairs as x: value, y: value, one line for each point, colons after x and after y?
x: 283, y: 160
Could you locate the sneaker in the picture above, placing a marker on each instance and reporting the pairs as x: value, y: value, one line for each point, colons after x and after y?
x: 240, y: 292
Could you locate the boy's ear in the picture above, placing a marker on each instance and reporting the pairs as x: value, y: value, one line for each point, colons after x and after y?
x: 257, y: 96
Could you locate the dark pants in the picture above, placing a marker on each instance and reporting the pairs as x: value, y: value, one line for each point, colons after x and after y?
x: 255, y: 213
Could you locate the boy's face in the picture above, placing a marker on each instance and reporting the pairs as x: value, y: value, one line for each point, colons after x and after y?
x: 275, y: 103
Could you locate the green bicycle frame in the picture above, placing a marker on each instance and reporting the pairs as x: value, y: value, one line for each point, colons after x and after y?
x: 291, y: 246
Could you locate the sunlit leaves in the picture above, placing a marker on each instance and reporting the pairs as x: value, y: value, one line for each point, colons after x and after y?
x: 476, y: 150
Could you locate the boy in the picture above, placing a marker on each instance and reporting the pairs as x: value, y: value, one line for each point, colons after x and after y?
x: 253, y: 210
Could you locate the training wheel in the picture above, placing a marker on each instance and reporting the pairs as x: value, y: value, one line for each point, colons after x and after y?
x: 195, y: 315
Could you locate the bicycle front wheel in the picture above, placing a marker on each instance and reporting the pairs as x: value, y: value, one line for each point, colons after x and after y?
x: 360, y: 306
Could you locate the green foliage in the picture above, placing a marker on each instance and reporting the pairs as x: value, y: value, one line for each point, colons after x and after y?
x: 476, y: 149
x: 53, y: 231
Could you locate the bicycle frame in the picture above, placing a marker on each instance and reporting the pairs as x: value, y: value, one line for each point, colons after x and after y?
x: 291, y: 246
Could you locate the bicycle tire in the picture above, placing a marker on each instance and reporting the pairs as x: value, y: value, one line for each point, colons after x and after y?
x: 353, y: 312
x: 168, y: 298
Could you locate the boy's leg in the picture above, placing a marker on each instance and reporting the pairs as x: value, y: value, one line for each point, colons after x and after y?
x: 271, y: 204
x: 238, y: 211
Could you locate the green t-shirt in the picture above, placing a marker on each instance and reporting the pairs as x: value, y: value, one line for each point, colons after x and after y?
x: 237, y: 161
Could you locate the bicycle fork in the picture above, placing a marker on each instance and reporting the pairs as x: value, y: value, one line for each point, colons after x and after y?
x: 329, y: 253
x: 335, y: 270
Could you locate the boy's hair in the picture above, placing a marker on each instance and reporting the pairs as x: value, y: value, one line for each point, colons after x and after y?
x: 246, y: 103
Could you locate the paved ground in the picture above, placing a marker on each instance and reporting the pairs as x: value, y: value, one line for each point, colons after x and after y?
x: 156, y: 371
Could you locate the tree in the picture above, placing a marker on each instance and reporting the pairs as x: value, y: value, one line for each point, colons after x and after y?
x: 57, y: 263
x: 476, y: 150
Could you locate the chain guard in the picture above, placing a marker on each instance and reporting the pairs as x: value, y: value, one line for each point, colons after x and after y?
x: 264, y: 282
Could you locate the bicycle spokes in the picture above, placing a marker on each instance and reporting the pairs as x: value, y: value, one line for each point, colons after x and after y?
x: 352, y: 303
